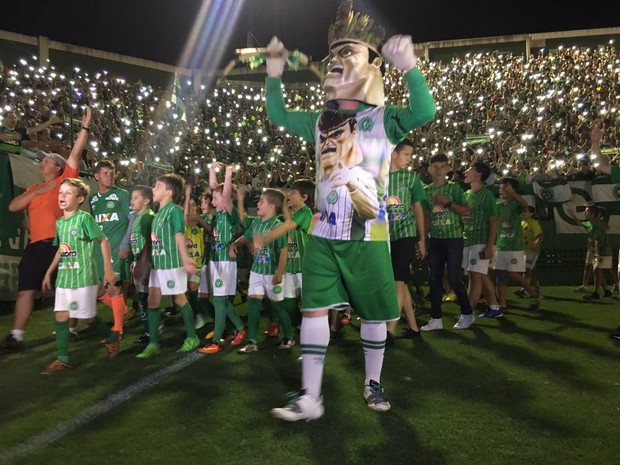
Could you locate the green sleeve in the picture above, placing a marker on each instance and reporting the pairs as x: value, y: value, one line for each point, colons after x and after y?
x: 303, y: 218
x: 417, y: 190
x: 93, y: 231
x: 458, y: 196
x: 282, y: 241
x: 248, y: 234
x: 177, y: 220
x: 298, y: 123
x: 399, y: 121
x: 248, y: 220
x: 146, y: 224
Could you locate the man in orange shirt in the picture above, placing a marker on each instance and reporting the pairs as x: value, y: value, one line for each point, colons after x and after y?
x: 41, y: 203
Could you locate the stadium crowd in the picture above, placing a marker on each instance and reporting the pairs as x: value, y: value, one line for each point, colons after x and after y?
x: 529, y: 118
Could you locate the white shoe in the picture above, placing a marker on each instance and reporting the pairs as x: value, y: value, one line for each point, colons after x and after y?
x: 432, y: 325
x: 375, y: 397
x: 465, y: 321
x: 303, y: 408
x: 199, y: 322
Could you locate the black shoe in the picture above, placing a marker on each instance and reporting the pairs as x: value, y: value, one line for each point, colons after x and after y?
x: 10, y: 344
x: 74, y: 336
x: 607, y: 293
x: 171, y: 311
x: 144, y: 339
x: 409, y: 333
x: 593, y: 296
x: 390, y: 340
x: 334, y: 335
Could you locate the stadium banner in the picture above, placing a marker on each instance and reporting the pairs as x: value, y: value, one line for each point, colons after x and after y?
x: 553, y: 192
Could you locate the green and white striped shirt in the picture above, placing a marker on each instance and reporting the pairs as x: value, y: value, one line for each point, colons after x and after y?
x: 75, y: 238
x: 482, y: 206
x: 445, y: 223
x: 266, y: 259
x: 167, y: 223
x: 224, y: 226
x: 297, y: 239
x: 404, y: 189
x: 509, y: 234
x: 141, y: 232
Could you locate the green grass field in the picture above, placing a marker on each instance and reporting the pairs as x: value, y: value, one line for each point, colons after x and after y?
x: 530, y: 388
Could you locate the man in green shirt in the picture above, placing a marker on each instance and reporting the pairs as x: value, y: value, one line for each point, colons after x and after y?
x: 479, y: 233
x: 443, y: 208
x: 405, y: 194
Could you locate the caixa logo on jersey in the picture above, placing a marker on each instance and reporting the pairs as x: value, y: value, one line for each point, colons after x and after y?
x: 106, y: 217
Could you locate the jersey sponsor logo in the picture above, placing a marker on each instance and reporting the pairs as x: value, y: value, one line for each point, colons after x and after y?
x: 192, y: 248
x: 66, y: 251
x: 112, y: 197
x: 262, y: 256
x: 329, y: 218
x: 157, y: 244
x: 106, y: 217
x: 94, y: 199
x: 395, y: 209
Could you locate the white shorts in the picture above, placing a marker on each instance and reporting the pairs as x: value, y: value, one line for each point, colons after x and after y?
x: 590, y: 257
x: 223, y: 278
x: 81, y: 302
x: 531, y: 258
x: 602, y: 263
x: 170, y: 282
x: 195, y: 278
x: 203, y: 287
x: 292, y: 285
x: 472, y: 260
x: 142, y: 285
x: 510, y: 261
x: 262, y: 284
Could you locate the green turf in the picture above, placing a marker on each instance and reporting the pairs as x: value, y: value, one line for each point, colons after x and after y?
x: 526, y: 389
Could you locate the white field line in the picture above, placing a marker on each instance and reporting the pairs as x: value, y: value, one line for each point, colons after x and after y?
x: 64, y: 428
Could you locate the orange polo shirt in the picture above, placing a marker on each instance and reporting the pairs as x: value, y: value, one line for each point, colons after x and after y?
x: 43, y: 210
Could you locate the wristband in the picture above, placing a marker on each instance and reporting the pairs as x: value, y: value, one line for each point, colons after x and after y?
x: 85, y: 128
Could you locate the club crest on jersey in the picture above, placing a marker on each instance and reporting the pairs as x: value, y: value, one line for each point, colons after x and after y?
x: 73, y: 232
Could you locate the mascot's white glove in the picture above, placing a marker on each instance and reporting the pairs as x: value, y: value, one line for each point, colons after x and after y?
x: 398, y: 52
x: 342, y: 176
x: 276, y: 57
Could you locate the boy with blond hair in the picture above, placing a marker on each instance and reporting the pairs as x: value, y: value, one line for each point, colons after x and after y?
x: 78, y: 277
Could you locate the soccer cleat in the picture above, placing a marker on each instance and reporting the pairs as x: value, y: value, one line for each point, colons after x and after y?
x: 239, y: 338
x: 248, y: 349
x: 409, y: 333
x: 465, y: 321
x: 200, y: 322
x: 128, y: 315
x: 345, y: 319
x: 432, y: 325
x: 607, y: 293
x: 228, y: 337
x: 451, y: 297
x: 144, y: 339
x: 581, y: 290
x: 375, y: 397
x: 149, y: 351
x: 189, y: 344
x: 73, y: 336
x: 114, y: 347
x: 10, y: 344
x: 521, y: 293
x: 170, y: 311
x: 55, y: 367
x: 210, y: 349
x: 210, y: 335
x: 303, y: 407
x: 287, y: 343
x: 273, y: 329
x: 492, y: 313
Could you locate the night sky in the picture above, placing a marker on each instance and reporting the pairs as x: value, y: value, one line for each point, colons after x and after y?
x: 159, y: 29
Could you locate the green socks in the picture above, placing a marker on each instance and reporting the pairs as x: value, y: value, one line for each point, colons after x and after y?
x: 62, y: 341
x: 188, y: 319
x: 254, y: 308
x: 154, y: 321
x: 103, y: 330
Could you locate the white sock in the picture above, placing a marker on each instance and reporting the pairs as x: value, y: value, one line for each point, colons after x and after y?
x: 18, y: 334
x: 314, y: 339
x: 373, y: 337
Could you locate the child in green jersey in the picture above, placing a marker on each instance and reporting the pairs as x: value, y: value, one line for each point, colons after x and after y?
x: 223, y: 267
x: 268, y: 266
x: 140, y: 242
x: 295, y: 229
x: 171, y: 264
x: 78, y: 277
x: 599, y: 248
x: 510, y: 255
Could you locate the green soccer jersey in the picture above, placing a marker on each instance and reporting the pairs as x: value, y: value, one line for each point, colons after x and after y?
x: 404, y: 189
x: 141, y: 232
x: 224, y: 226
x: 167, y: 223
x: 445, y: 223
x: 510, y: 234
x: 297, y: 239
x: 75, y: 238
x: 482, y: 206
x: 266, y: 259
x: 111, y: 212
x: 597, y: 234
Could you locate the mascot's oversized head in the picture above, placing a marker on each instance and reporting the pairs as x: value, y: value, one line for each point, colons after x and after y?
x: 355, y: 65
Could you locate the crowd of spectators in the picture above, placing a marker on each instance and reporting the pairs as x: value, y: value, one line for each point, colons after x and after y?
x: 525, y: 117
